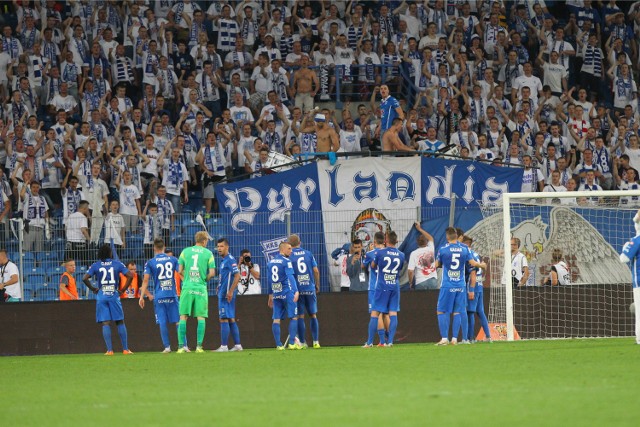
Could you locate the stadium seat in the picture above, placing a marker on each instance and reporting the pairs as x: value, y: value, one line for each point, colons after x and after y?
x: 35, y: 278
x: 134, y: 241
x: 29, y: 256
x: 191, y: 229
x: 28, y: 295
x: 53, y: 273
x: 47, y: 293
x: 48, y: 256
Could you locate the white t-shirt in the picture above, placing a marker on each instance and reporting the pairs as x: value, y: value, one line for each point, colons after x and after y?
x: 249, y: 285
x: 532, y: 82
x: 530, y: 179
x: 6, y: 271
x: 350, y: 140
x: 66, y: 103
x: 345, y: 282
x: 113, y: 225
x: 128, y: 196
x: 518, y: 263
x: 564, y: 277
x: 553, y: 75
x: 422, y: 261
x: 75, y: 223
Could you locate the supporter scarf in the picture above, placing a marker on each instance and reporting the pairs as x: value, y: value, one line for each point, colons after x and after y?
x: 73, y: 200
x: 80, y: 48
x: 29, y: 39
x: 175, y: 173
x: 209, y: 161
x: 168, y: 83
x: 18, y: 111
x: 480, y: 69
x: 178, y: 13
x: 272, y: 140
x: 49, y: 49
x: 36, y: 211
x: 623, y: 87
x: 70, y: 74
x: 164, y: 211
x: 470, y: 143
x: 476, y: 113
x: 603, y: 159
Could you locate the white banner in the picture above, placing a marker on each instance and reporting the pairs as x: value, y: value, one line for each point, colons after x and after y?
x: 363, y: 196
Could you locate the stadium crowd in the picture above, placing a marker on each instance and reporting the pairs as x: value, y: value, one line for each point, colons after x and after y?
x: 116, y: 113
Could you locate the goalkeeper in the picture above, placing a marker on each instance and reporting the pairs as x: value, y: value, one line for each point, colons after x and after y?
x: 197, y: 266
x: 630, y: 254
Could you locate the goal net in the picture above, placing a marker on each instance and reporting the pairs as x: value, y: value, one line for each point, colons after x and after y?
x: 580, y: 235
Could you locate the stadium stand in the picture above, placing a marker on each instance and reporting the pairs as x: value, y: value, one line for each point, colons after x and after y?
x: 121, y: 85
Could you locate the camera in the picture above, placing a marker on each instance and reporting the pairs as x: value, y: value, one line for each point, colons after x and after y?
x: 247, y: 259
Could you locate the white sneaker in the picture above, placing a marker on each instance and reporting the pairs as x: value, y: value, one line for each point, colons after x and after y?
x: 465, y: 342
x: 237, y: 347
x: 222, y: 349
x: 443, y: 341
x: 454, y: 341
x: 167, y: 350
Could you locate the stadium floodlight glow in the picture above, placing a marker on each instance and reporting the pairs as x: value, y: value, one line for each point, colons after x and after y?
x: 588, y: 229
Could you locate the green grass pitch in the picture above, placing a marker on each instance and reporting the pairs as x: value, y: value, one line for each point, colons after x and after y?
x: 534, y: 383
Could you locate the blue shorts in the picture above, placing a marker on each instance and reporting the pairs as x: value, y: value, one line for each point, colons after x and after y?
x: 285, y: 308
x: 479, y: 302
x: 370, y: 298
x: 166, y: 310
x: 472, y: 303
x: 386, y: 300
x: 109, y: 309
x: 308, y: 304
x: 226, y: 309
x: 452, y: 300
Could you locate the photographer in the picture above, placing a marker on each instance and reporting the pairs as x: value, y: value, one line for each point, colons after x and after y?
x: 355, y: 270
x: 249, y: 275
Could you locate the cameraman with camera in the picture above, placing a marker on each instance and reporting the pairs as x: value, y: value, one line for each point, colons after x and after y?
x: 249, y: 275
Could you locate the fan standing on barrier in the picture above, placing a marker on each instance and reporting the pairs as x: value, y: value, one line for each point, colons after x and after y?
x: 630, y: 254
x: 161, y: 269
x: 304, y: 264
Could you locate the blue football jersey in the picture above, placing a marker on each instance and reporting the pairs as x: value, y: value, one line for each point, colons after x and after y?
x: 388, y: 112
x: 453, y: 257
x: 479, y: 271
x: 631, y: 249
x: 107, y: 274
x: 228, y: 269
x: 303, y: 264
x: 373, y: 274
x: 389, y: 263
x: 280, y: 277
x: 161, y: 270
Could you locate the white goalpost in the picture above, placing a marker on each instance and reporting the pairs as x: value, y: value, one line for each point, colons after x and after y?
x: 585, y: 231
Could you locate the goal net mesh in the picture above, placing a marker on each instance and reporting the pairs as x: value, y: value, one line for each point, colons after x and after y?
x: 589, y: 238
